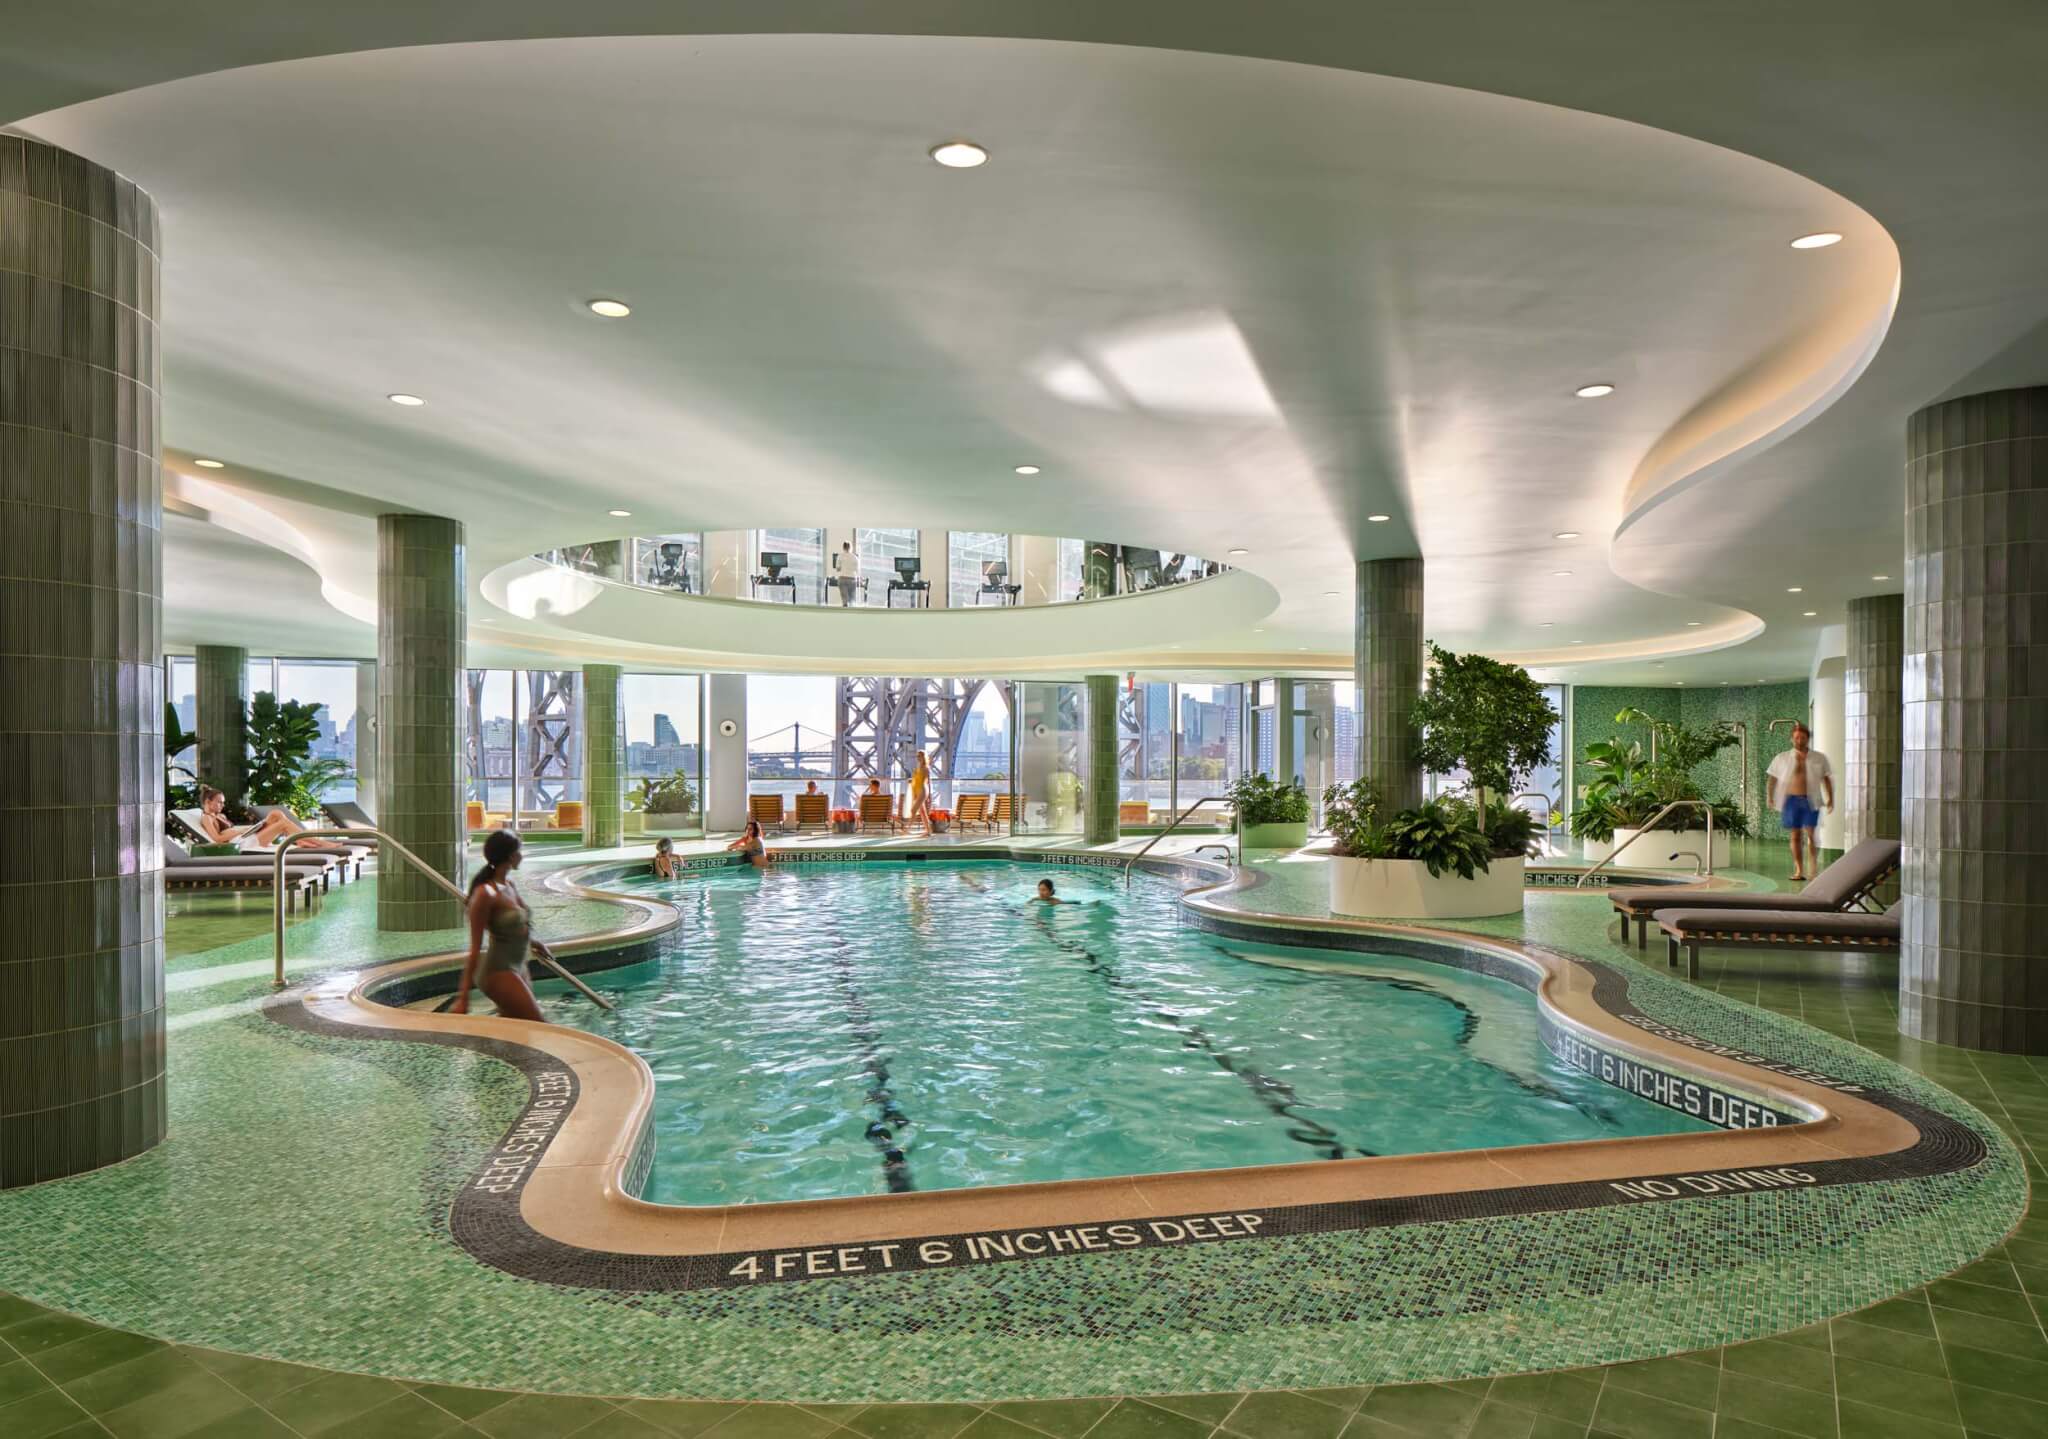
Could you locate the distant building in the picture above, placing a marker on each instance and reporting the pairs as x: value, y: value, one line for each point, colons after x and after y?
x: 665, y: 731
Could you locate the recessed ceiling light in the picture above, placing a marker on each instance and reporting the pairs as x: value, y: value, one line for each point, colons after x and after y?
x: 210, y: 464
x: 1818, y: 240
x: 1724, y: 682
x: 1880, y: 577
x: 1578, y: 642
x: 1331, y: 594
x: 611, y: 309
x: 1795, y: 589
x: 1594, y: 391
x: 1679, y: 683
x: 1560, y: 573
x: 620, y: 514
x: 1566, y: 535
x: 1692, y: 624
x: 1809, y: 614
x: 1258, y: 629
x: 1547, y: 624
x: 405, y: 399
x: 1240, y: 552
x: 959, y: 154
x: 1377, y: 519
x: 1027, y: 469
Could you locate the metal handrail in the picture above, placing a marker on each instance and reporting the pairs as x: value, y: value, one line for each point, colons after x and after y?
x: 1649, y: 826
x: 540, y: 951
x: 1205, y: 799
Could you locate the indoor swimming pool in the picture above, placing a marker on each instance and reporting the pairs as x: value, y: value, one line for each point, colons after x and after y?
x: 862, y: 1029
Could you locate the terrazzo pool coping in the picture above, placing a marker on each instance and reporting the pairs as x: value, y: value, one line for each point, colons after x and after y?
x: 556, y: 1200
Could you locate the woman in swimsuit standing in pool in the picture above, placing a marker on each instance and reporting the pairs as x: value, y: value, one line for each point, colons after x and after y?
x: 495, y: 908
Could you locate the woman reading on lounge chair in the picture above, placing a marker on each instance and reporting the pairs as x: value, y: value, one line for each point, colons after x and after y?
x: 261, y: 835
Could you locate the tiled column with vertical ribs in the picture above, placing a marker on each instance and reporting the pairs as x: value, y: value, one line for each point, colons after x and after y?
x: 81, y: 669
x: 604, y: 757
x: 1975, y: 781
x: 1390, y: 678
x: 1873, y: 713
x: 221, y: 675
x: 422, y: 599
x: 1098, y: 800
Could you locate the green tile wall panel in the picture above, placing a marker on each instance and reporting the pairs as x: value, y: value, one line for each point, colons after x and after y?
x: 604, y: 756
x: 1390, y: 663
x: 1098, y: 800
x: 1595, y: 706
x: 221, y: 675
x: 81, y: 670
x: 1974, y: 779
x: 422, y: 598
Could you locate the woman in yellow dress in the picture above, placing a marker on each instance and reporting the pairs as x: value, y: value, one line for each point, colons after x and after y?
x: 921, y: 792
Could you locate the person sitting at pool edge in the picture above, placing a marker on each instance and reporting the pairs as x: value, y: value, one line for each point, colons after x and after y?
x: 1046, y: 895
x: 665, y: 858
x: 261, y: 835
x: 749, y: 844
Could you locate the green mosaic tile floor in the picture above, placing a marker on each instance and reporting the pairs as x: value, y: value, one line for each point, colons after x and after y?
x: 1963, y: 1354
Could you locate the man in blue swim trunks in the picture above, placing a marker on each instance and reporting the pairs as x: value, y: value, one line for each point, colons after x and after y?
x: 1797, y: 777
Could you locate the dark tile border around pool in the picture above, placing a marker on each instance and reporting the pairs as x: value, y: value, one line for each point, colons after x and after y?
x: 488, y: 1221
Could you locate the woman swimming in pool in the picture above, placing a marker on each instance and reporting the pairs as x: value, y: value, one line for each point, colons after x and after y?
x: 496, y: 908
x: 749, y: 844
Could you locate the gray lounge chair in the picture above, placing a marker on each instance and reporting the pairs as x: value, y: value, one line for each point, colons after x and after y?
x: 347, y: 814
x: 1843, y: 885
x: 255, y: 878
x: 325, y: 867
x: 1772, y: 929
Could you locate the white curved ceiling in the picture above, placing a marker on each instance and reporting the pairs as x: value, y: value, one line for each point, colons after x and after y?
x: 838, y: 329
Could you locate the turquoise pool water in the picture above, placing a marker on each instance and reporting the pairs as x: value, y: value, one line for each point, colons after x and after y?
x: 926, y: 1026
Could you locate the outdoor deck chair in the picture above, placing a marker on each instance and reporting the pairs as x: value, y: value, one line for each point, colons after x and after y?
x: 972, y: 809
x: 814, y: 811
x: 766, y: 810
x: 1772, y: 929
x: 1003, y: 809
x: 878, y: 809
x: 1846, y: 884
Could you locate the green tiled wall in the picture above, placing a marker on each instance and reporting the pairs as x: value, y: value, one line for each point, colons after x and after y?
x: 1873, y: 715
x: 604, y: 756
x: 221, y: 676
x: 422, y: 599
x: 1099, y: 796
x: 81, y: 670
x: 1390, y: 661
x: 1595, y: 706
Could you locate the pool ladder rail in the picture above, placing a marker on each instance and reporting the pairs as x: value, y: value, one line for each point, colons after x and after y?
x: 1649, y: 827
x: 540, y: 951
x: 1130, y: 863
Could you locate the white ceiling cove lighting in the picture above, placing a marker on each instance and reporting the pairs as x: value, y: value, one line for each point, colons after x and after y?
x: 210, y: 464
x: 959, y: 155
x: 611, y: 309
x: 1818, y: 240
x: 1594, y: 391
x: 620, y: 514
x: 407, y: 400
x: 1027, y: 469
x: 1377, y: 519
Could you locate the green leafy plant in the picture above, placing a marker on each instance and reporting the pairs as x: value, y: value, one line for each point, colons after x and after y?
x: 281, y: 735
x: 181, y: 783
x: 1513, y: 832
x: 1483, y: 717
x: 318, y: 777
x: 1629, y: 786
x: 1440, y: 837
x: 1351, y: 814
x: 669, y: 794
x: 1261, y: 800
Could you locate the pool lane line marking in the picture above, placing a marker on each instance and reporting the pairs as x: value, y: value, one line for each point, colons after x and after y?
x: 861, y: 1020
x: 1277, y: 1095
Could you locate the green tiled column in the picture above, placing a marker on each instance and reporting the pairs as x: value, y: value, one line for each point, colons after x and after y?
x: 1098, y: 802
x: 81, y: 669
x: 422, y: 596
x: 1390, y: 678
x: 604, y: 756
x: 1975, y: 777
x: 221, y: 673
x: 1873, y: 710
x: 1285, y: 761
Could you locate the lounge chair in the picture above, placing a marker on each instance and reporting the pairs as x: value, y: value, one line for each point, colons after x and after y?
x: 766, y: 810
x: 972, y: 809
x: 814, y: 811
x: 878, y: 809
x: 1846, y: 883
x: 1003, y: 810
x: 1772, y: 929
x: 251, y: 877
x: 357, y: 849
x: 347, y: 814
x: 324, y: 867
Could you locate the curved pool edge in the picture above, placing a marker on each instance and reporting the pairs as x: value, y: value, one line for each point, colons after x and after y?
x: 555, y: 1199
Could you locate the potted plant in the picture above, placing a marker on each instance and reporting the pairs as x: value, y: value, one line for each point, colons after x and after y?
x: 1429, y: 862
x: 942, y: 820
x: 665, y: 805
x: 1629, y: 788
x: 1274, y: 815
x: 843, y: 821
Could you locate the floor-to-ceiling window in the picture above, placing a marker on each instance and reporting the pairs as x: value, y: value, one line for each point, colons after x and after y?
x: 328, y: 685
x: 1052, y: 762
x: 879, y: 550
x: 1067, y: 570
x: 1210, y: 749
x: 969, y: 553
x: 523, y: 744
x: 805, y: 551
x: 790, y: 727
x: 664, y: 759
x: 1145, y: 747
x: 981, y: 763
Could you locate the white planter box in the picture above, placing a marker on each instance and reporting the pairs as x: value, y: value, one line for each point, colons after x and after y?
x: 1657, y: 850
x: 669, y: 823
x: 1405, y: 889
x: 1282, y: 835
